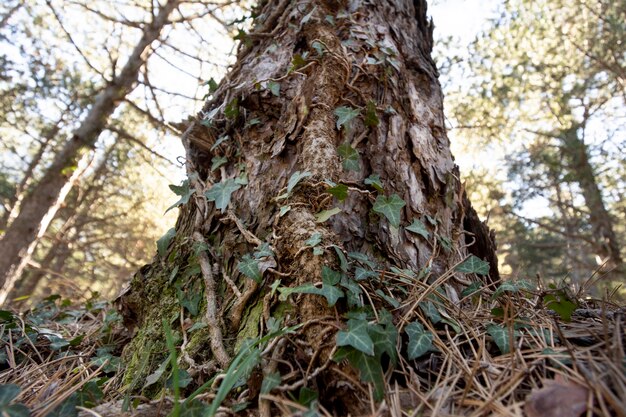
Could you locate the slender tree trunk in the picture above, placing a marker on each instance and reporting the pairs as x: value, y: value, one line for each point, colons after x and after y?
x: 328, y: 97
x: 605, y: 241
x: 27, y: 179
x: 23, y: 230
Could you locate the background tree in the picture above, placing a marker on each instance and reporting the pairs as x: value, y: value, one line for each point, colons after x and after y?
x: 47, y: 97
x: 547, y: 85
x: 321, y: 192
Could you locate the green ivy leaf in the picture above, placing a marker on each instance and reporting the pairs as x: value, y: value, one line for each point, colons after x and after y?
x: 371, y: 119
x: 356, y: 336
x: 343, y: 262
x: 474, y: 265
x: 329, y: 276
x: 250, y: 268
x: 390, y: 208
x: 164, y: 241
x: 183, y: 191
x: 419, y: 228
x: 274, y: 88
x: 501, y: 336
x: 324, y: 215
x: 420, y: 340
x: 232, y: 109
x: 471, y: 289
x: 374, y: 181
x: 361, y: 273
x: 370, y: 370
x: 298, y: 61
x: 263, y: 250
x: 428, y: 308
x: 212, y: 85
x: 314, y: 240
x: 270, y: 381
x: 319, y: 48
x: 331, y: 293
x: 512, y: 287
x: 384, y: 338
x: 560, y: 304
x: 295, y: 178
x: 217, y: 161
x: 350, y: 157
x: 340, y: 191
x: 8, y: 393
x: 345, y: 115
x: 219, y: 141
x: 221, y: 192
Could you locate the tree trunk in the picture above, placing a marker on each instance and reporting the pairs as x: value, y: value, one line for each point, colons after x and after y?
x: 23, y: 231
x: 349, y: 103
x: 605, y: 241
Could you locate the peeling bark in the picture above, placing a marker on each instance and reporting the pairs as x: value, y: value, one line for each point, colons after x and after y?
x: 320, y: 64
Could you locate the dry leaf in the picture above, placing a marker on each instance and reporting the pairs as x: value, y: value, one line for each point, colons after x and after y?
x: 558, y: 398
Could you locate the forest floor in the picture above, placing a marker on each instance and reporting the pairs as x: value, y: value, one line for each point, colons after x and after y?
x: 564, y: 355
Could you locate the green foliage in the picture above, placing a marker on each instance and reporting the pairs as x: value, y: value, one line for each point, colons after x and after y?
x: 559, y: 302
x: 356, y: 336
x: 474, y: 265
x: 8, y: 393
x: 345, y: 115
x: 502, y: 336
x: 164, y: 242
x: 329, y: 289
x: 221, y: 193
x: 418, y: 228
x: 250, y: 268
x: 324, y: 215
x: 274, y: 88
x: 231, y: 110
x: 183, y: 191
x: 339, y: 191
x: 350, y: 157
x: 374, y: 181
x: 512, y: 287
x: 420, y: 340
x: 390, y: 207
x: 295, y: 178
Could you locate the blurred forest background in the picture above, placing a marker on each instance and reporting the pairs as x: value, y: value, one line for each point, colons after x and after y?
x: 535, y: 102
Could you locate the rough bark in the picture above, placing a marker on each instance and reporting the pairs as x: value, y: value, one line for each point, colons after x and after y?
x: 24, y: 229
x: 320, y: 64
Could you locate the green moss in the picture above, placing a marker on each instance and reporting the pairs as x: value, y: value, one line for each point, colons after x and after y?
x: 249, y: 327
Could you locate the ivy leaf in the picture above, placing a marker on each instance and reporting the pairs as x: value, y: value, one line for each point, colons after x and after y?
x: 384, y: 339
x: 164, y: 241
x: 274, y: 88
x: 219, y: 141
x: 474, y: 265
x: 419, y: 228
x: 295, y: 178
x: 428, y: 308
x: 183, y: 191
x: 263, y: 250
x: 420, y: 340
x: 370, y: 370
x: 390, y: 208
x: 512, y: 287
x: 371, y: 119
x: 374, y: 181
x: 212, y: 85
x: 501, y: 336
x: 340, y: 191
x: 314, y: 240
x: 560, y: 304
x: 221, y: 192
x: 350, y: 157
x: 343, y: 262
x: 318, y: 47
x: 232, y: 109
x: 356, y: 336
x: 361, y: 273
x: 270, y: 381
x: 345, y: 115
x: 8, y: 392
x: 473, y: 288
x: 250, y: 268
x: 331, y: 293
x: 193, y: 408
x: 329, y: 276
x: 324, y: 215
x: 217, y: 161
